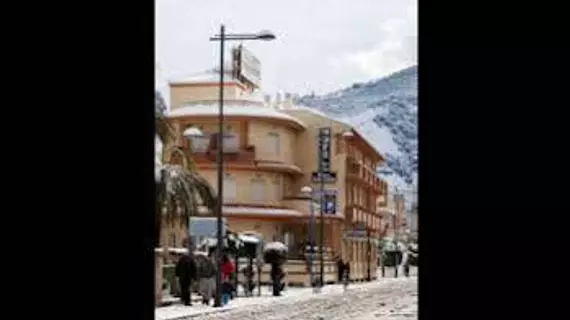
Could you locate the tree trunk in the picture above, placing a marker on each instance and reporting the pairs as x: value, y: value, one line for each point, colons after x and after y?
x: 158, y: 278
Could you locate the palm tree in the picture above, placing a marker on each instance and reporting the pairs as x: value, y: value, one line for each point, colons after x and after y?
x: 163, y: 129
x: 178, y: 188
x: 180, y: 191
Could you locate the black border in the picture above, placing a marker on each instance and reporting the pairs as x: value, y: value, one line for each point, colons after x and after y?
x: 88, y: 145
x: 492, y: 157
x: 490, y: 161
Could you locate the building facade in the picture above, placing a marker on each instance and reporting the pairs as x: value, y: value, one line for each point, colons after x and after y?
x: 270, y: 154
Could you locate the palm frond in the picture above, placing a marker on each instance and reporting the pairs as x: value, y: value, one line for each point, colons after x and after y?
x: 163, y: 128
x: 182, y: 189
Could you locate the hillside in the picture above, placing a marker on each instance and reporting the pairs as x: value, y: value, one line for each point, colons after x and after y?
x: 385, y: 111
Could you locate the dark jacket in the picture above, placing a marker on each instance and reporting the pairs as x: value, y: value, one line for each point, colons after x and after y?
x: 346, y: 270
x: 340, y: 269
x: 186, y: 269
x: 205, y: 267
x: 276, y: 272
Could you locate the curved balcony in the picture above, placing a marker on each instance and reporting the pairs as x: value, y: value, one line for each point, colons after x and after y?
x: 205, y: 152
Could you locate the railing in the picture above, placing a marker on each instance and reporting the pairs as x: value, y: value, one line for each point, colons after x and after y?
x: 205, y: 149
x: 230, y: 142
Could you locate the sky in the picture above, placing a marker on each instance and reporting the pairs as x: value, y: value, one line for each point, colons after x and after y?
x: 321, y: 45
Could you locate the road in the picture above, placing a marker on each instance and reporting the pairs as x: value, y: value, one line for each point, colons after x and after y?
x: 387, y: 298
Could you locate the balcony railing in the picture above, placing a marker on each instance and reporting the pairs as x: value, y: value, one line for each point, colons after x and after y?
x: 205, y: 149
x: 230, y: 142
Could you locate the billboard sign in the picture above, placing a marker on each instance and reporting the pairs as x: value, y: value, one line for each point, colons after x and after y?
x: 205, y: 227
x: 324, y: 173
x: 248, y: 66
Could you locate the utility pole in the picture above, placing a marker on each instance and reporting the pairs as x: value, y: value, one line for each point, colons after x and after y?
x: 368, y: 255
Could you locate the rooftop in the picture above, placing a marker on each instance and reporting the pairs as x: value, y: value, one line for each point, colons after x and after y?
x: 234, y: 108
x: 211, y: 75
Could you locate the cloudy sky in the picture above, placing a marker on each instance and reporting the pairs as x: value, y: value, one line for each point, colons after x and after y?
x: 321, y: 46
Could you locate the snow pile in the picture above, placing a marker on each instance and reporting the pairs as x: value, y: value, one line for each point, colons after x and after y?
x: 385, y: 111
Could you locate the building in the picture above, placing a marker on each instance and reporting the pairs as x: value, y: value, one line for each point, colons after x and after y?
x: 394, y: 216
x: 270, y: 154
x: 354, y: 161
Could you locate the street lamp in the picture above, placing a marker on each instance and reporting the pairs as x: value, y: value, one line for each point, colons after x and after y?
x: 222, y: 38
x: 309, y: 192
x: 396, y: 243
x: 368, y: 254
x: 191, y: 134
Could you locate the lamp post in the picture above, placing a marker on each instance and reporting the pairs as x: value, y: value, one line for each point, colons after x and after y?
x: 309, y: 192
x: 368, y: 255
x: 191, y: 134
x: 222, y: 38
x: 396, y: 244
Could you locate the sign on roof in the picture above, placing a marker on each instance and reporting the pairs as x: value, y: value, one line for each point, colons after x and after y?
x: 247, y: 66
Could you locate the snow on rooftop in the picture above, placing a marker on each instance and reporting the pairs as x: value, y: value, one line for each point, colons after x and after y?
x: 212, y: 75
x: 234, y: 109
x: 311, y: 110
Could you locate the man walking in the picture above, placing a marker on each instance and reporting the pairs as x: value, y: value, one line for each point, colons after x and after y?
x: 186, y: 271
x: 346, y: 275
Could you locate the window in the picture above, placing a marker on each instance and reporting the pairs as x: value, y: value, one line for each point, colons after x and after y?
x: 230, y: 188
x: 274, y: 145
x: 277, y: 188
x: 257, y: 190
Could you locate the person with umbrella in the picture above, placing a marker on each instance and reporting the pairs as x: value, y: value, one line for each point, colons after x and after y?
x: 275, y: 253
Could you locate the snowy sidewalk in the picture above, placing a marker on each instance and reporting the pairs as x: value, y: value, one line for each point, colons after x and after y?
x: 292, y: 295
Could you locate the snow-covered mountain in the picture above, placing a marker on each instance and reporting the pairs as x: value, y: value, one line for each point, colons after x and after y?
x: 385, y: 111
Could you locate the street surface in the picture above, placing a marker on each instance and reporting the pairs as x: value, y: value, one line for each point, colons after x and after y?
x: 387, y: 298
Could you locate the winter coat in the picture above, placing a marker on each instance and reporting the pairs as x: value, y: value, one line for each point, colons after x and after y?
x: 227, y: 269
x: 185, y: 269
x: 207, y: 287
x: 340, y: 267
x: 276, y: 272
x: 205, y: 268
x: 346, y: 270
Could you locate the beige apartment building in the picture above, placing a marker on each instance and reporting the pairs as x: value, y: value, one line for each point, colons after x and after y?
x: 270, y: 154
x: 394, y: 216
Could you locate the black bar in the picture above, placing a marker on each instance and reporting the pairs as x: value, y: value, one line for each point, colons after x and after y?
x: 220, y: 167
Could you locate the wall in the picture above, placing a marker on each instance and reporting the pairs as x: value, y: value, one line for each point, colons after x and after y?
x: 179, y: 94
x: 273, y: 192
x: 258, y: 136
x: 306, y: 154
x: 268, y: 229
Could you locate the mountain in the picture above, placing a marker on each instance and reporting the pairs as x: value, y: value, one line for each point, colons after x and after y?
x: 385, y: 111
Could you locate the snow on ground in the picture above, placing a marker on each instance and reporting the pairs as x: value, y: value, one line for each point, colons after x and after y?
x: 266, y: 298
x: 390, y: 298
x: 393, y: 298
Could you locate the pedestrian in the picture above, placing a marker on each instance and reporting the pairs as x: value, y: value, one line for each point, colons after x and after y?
x: 405, y: 261
x: 206, y: 270
x: 186, y: 271
x: 227, y: 269
x: 248, y: 274
x: 346, y: 275
x: 276, y: 277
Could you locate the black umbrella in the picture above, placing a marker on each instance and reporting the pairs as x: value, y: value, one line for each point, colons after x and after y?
x: 275, y: 252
